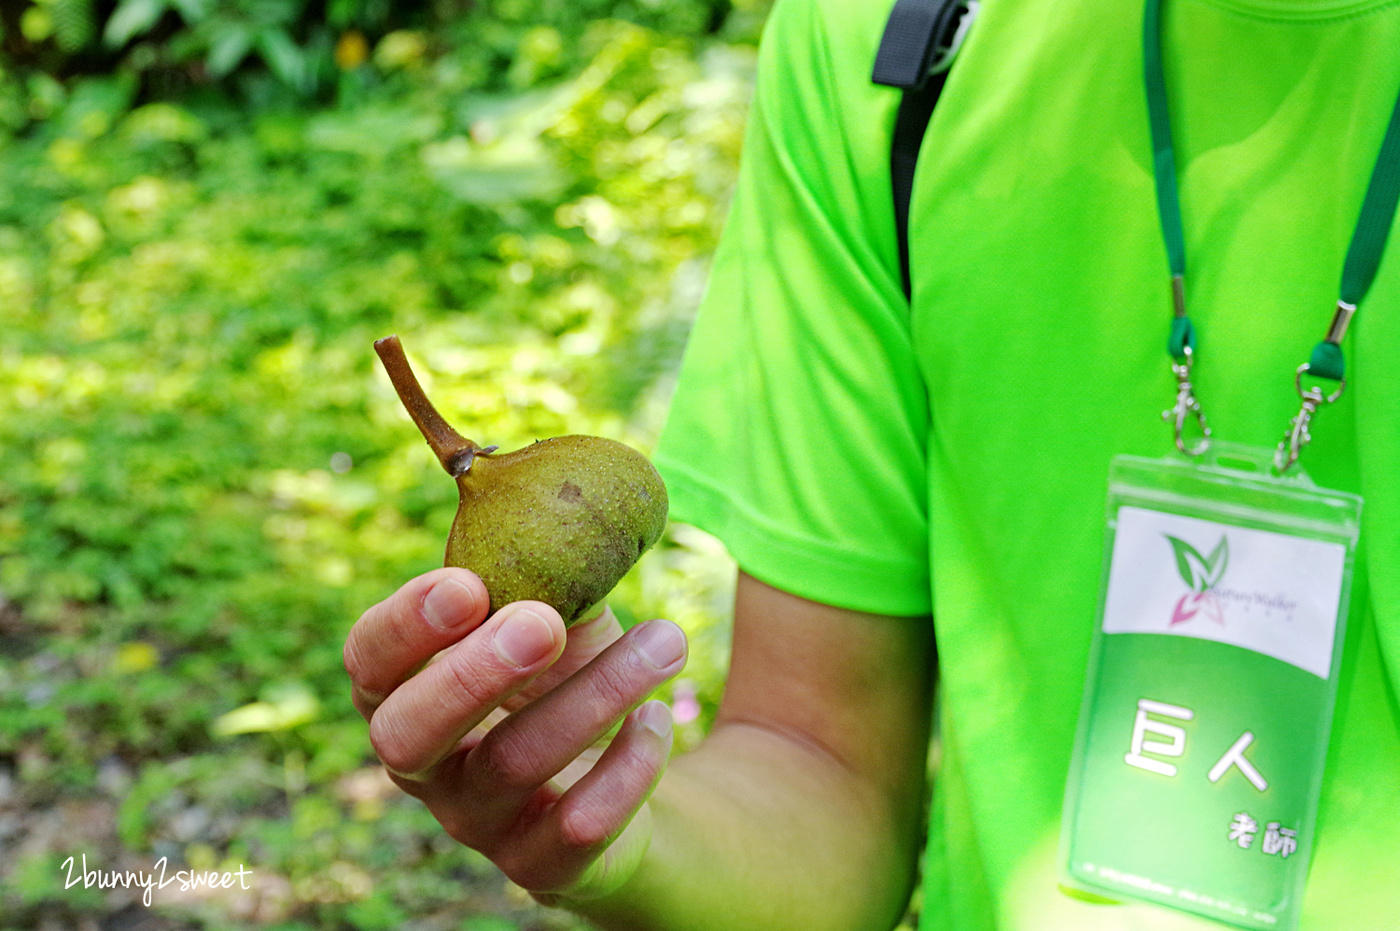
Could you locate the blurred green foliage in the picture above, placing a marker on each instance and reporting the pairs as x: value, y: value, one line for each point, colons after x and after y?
x: 204, y: 477
x: 306, y: 46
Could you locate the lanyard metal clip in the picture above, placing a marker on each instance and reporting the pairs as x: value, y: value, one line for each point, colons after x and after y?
x: 1298, y: 434
x: 1186, y: 407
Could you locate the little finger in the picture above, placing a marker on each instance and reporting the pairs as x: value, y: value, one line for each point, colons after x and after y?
x: 563, y: 849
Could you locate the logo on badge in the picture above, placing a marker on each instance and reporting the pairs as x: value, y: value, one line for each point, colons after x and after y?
x: 1201, y: 574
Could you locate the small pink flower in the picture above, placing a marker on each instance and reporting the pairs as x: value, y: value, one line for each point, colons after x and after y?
x: 685, y: 707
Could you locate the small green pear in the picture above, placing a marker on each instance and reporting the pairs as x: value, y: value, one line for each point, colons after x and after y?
x: 559, y: 521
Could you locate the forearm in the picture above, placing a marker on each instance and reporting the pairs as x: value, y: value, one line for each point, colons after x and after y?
x: 799, y: 812
x: 760, y: 830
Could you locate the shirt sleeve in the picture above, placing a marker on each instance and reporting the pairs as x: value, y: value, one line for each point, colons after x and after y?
x: 798, y: 432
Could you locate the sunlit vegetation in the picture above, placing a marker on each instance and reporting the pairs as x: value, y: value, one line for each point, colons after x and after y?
x: 208, y: 212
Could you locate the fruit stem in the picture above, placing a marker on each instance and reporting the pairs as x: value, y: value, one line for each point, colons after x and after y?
x: 453, y: 450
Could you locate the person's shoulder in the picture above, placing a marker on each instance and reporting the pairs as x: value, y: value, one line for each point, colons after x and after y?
x: 844, y: 16
x: 839, y: 35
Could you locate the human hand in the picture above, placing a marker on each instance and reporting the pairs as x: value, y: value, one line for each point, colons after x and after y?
x: 500, y: 726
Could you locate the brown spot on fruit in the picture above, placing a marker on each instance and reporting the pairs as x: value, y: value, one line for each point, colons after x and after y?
x: 570, y: 492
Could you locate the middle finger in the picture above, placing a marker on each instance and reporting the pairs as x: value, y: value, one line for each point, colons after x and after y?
x: 423, y: 720
x: 585, y: 641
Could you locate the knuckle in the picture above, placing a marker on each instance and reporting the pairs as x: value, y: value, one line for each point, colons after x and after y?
x: 460, y: 828
x: 350, y: 656
x: 582, y: 829
x: 612, y: 684
x: 362, y: 702
x: 520, y: 869
x: 504, y: 767
x: 639, y: 762
x: 389, y: 745
x: 479, y: 690
x: 403, y: 612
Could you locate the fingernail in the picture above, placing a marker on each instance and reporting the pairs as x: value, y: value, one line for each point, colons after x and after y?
x: 449, y: 604
x: 524, y: 639
x: 661, y: 643
x: 655, y: 717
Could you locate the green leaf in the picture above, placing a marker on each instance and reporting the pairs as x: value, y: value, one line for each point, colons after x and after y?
x: 514, y: 169
x: 95, y: 104
x: 284, y: 707
x: 1183, y: 551
x: 371, y: 131
x: 74, y: 24
x: 286, y: 60
x: 131, y: 18
x: 163, y: 122
x: 227, y: 50
x: 1219, y: 559
x: 1197, y: 571
x: 193, y: 11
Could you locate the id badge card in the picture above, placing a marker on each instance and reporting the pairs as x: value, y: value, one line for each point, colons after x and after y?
x: 1212, y: 676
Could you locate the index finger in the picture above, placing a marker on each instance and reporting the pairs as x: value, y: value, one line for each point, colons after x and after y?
x: 394, y: 638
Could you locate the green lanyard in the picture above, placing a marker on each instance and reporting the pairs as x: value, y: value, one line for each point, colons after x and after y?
x: 1363, y: 258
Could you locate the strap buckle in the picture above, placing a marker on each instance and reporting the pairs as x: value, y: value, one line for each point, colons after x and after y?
x: 921, y: 39
x: 945, y: 51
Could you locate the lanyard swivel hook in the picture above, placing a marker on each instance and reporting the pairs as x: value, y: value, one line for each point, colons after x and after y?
x: 1298, y: 434
x: 1187, y: 406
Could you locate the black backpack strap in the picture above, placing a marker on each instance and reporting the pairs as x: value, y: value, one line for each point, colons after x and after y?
x: 921, y: 38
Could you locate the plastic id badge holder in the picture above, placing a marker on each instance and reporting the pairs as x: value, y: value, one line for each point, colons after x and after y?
x: 1212, y: 676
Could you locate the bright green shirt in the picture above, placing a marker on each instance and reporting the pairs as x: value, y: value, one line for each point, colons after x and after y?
x: 951, y: 457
